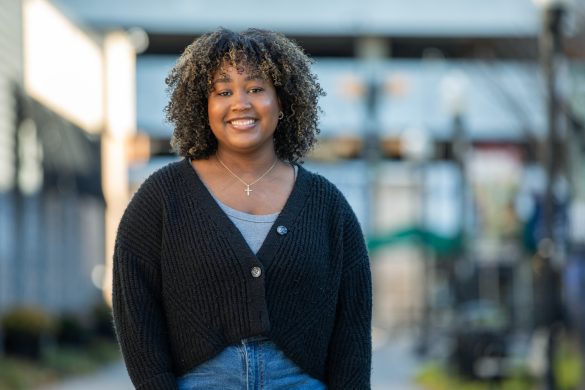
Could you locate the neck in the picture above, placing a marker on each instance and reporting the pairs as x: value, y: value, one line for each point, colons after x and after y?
x: 247, y: 164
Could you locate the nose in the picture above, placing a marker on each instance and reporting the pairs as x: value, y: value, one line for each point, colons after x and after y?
x: 241, y: 101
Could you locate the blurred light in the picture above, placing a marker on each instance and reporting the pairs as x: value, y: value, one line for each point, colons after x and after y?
x: 398, y: 85
x: 351, y: 86
x: 120, y: 84
x: 547, y: 4
x: 372, y: 48
x: 138, y: 149
x: 97, y: 275
x: 340, y: 147
x: 379, y: 338
x: 30, y: 155
x: 121, y: 114
x: 139, y: 39
x: 347, y: 146
x: 416, y: 143
x: 392, y: 147
x: 453, y: 92
x: 62, y: 65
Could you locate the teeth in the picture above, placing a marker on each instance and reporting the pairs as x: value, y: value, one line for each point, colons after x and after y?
x: 243, y: 122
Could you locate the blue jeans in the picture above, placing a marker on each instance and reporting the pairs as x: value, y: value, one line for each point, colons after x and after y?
x: 253, y: 364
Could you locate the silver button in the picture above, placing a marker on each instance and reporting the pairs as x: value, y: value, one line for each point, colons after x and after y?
x: 256, y: 271
x: 282, y: 230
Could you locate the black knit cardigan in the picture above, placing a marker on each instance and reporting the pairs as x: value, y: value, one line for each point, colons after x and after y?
x: 183, y: 289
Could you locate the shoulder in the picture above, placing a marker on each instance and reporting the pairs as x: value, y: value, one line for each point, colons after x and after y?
x: 164, y: 178
x: 142, y: 219
x: 163, y: 183
x: 150, y: 196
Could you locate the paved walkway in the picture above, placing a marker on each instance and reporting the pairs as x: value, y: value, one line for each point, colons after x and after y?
x: 394, y: 364
x: 393, y: 368
x: 113, y: 377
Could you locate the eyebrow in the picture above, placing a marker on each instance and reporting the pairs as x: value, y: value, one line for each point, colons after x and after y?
x: 227, y: 79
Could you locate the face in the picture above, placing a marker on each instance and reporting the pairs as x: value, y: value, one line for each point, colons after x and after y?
x: 243, y: 111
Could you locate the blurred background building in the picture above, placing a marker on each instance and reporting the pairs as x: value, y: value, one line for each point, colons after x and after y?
x: 67, y: 102
x: 455, y: 130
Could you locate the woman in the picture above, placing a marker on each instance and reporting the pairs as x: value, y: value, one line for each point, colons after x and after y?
x: 236, y: 268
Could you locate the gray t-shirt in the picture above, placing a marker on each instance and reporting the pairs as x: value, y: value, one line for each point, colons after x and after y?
x: 254, y: 228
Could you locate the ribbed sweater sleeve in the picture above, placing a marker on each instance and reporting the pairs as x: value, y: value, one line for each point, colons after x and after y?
x: 350, y: 348
x: 137, y: 307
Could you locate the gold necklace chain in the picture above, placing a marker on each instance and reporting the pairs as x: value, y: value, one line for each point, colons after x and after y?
x: 247, y: 190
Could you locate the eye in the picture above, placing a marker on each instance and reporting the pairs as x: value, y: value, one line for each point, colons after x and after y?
x: 256, y: 89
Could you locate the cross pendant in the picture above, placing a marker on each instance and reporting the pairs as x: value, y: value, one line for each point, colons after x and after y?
x: 248, y: 190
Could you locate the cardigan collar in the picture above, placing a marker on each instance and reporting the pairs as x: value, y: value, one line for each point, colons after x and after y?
x: 276, y: 236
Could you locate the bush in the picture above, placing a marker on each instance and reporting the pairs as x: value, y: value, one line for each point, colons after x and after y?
x: 26, y: 331
x: 71, y: 331
x: 56, y: 364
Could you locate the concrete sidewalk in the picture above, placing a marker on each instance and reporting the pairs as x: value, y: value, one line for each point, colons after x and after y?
x: 393, y: 368
x: 394, y: 364
x: 113, y: 377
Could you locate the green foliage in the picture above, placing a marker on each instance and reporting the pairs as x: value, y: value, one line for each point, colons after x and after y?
x: 105, y: 351
x: 26, y: 330
x: 568, y: 365
x: 436, y: 377
x: 67, y: 361
x: 85, y: 343
x: 18, y: 374
x: 58, y: 363
x: 28, y: 320
x: 568, y: 368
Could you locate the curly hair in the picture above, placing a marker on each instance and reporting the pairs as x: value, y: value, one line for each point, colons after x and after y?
x: 269, y: 54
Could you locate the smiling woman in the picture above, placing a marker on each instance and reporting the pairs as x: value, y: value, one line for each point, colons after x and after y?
x: 236, y: 268
x: 243, y: 111
x: 266, y: 55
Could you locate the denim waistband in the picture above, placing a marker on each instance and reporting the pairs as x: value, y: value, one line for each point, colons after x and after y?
x: 254, y: 363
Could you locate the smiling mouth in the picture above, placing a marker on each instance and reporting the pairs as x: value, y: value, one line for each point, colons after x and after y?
x: 243, y: 123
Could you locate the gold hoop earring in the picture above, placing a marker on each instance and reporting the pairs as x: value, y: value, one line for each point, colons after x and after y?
x: 280, y: 115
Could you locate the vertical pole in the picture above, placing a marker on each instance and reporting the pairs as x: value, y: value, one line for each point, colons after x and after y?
x: 550, y: 48
x: 371, y: 148
x: 428, y: 279
x: 371, y: 50
x: 459, y: 152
